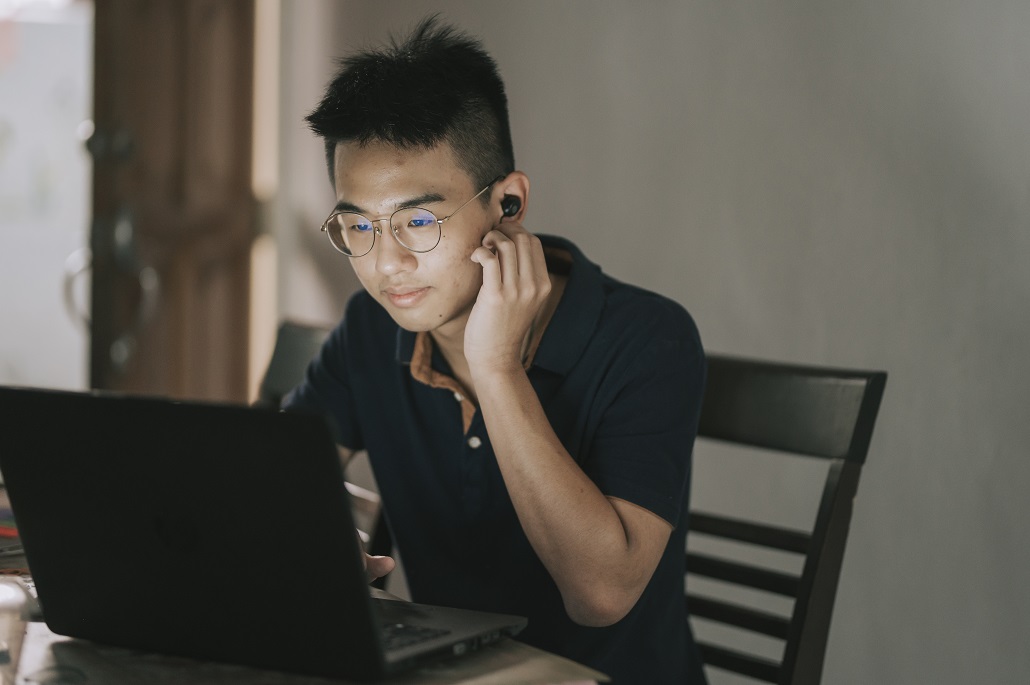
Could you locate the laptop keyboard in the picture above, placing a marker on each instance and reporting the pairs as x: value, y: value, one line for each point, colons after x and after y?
x: 398, y: 635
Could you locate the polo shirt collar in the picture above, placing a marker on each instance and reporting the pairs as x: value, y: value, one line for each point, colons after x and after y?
x: 578, y: 312
x: 572, y: 324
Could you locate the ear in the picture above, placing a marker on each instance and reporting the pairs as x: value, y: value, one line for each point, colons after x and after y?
x: 511, y: 192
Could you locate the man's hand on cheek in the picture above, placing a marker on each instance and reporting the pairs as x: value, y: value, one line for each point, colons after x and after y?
x: 515, y: 288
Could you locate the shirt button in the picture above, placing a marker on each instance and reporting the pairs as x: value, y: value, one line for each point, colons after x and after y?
x: 475, y: 442
x: 458, y: 397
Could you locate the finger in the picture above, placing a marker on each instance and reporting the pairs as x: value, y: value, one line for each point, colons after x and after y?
x: 491, y: 267
x: 507, y: 254
x: 377, y: 567
x: 494, y: 238
x: 532, y: 279
x: 540, y: 264
x: 511, y: 228
x: 530, y: 257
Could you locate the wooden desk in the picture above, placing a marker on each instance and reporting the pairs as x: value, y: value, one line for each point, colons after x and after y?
x: 40, y: 656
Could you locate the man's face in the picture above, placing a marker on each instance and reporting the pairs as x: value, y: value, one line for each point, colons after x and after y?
x: 431, y: 291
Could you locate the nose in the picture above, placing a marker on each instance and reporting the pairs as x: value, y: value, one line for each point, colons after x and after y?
x: 391, y: 256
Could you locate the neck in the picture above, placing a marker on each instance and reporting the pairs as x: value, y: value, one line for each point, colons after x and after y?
x: 450, y: 339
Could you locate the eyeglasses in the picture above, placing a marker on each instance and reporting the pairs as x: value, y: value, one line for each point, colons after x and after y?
x: 415, y: 228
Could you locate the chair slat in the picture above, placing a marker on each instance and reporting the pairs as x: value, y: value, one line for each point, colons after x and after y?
x: 755, y: 667
x: 743, y: 574
x: 747, y: 531
x: 754, y: 620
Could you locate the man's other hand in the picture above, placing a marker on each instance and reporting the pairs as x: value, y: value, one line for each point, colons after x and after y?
x: 377, y: 567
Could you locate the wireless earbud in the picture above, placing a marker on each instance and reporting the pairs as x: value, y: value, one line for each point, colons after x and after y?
x: 510, y: 205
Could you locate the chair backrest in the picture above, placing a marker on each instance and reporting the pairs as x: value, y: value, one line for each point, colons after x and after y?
x: 295, y: 345
x: 816, y: 412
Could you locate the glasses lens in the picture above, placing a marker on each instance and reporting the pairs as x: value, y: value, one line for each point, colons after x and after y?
x: 416, y: 229
x: 351, y: 234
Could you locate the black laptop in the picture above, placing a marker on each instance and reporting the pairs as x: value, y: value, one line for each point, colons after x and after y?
x: 212, y: 531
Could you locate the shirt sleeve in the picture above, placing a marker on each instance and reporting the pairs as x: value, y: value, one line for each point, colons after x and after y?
x: 326, y: 389
x: 641, y: 451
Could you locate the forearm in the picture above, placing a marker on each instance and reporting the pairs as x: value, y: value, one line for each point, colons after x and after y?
x: 594, y: 558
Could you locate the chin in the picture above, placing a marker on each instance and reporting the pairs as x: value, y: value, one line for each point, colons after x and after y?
x: 426, y: 317
x: 415, y: 322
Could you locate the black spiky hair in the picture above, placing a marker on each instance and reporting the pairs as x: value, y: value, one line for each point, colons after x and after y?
x: 437, y: 85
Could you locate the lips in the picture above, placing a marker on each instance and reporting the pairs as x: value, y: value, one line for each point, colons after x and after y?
x: 405, y: 297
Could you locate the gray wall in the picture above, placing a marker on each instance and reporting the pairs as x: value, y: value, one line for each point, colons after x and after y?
x: 828, y: 182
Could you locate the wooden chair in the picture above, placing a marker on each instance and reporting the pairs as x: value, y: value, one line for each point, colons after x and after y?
x: 816, y: 412
x: 297, y: 344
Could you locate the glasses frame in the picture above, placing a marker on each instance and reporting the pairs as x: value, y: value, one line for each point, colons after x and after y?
x: 376, y: 223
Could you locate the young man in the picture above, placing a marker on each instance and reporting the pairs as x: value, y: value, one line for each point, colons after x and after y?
x: 529, y: 420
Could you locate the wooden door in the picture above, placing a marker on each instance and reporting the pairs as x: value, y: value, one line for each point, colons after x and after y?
x: 173, y: 210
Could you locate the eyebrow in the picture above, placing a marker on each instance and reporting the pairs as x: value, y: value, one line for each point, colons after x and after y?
x: 417, y: 201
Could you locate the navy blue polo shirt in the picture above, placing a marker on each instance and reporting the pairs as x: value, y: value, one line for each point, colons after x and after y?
x: 620, y: 373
